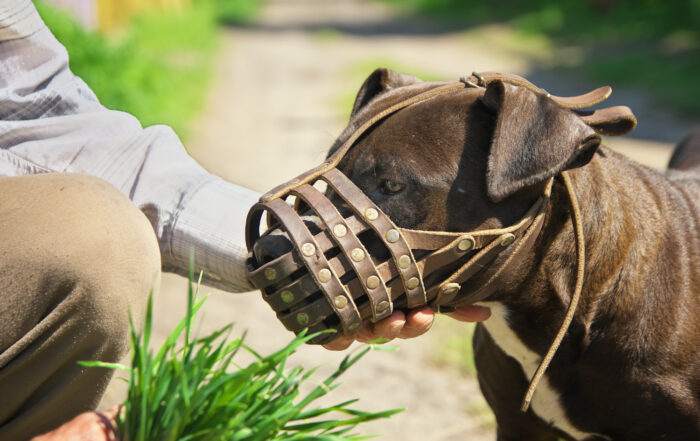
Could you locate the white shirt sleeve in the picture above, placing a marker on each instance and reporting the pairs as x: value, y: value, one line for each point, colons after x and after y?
x: 50, y: 121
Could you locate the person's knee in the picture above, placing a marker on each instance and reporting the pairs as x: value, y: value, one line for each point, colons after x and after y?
x: 114, y: 254
x: 83, y: 240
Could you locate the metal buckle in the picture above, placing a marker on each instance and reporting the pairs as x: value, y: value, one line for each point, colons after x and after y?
x: 467, y: 82
x: 478, y: 76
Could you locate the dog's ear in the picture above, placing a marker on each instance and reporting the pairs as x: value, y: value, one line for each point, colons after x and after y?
x: 380, y: 81
x: 533, y: 140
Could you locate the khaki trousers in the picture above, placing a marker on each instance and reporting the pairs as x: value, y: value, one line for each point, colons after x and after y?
x: 75, y: 256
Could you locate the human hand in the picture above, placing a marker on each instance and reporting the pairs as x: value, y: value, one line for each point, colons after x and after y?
x: 399, y: 325
x: 88, y: 426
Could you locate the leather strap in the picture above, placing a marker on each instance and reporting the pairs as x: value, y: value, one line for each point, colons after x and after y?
x: 318, y: 267
x: 575, y: 297
x: 520, y: 238
x: 613, y: 121
x: 572, y: 102
x: 388, y: 233
x: 353, y: 250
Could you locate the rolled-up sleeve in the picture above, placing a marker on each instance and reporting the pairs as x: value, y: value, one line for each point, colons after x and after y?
x: 50, y: 121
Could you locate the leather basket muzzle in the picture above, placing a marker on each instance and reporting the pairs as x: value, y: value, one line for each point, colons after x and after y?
x: 339, y: 277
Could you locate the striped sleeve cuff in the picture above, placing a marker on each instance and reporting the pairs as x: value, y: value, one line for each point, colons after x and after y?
x: 212, y: 222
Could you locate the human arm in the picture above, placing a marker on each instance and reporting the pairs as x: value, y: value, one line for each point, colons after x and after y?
x: 50, y: 121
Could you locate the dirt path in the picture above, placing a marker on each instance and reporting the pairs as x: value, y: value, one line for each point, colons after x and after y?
x: 273, y: 111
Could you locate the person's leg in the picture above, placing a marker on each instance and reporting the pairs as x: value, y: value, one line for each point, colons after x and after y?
x: 75, y: 256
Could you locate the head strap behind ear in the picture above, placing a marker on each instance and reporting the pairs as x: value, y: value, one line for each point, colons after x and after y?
x: 570, y: 102
x: 612, y: 121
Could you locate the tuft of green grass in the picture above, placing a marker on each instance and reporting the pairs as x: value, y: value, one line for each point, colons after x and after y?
x: 195, y: 391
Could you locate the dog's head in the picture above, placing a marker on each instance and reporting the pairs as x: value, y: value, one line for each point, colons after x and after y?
x: 462, y: 161
x: 472, y: 159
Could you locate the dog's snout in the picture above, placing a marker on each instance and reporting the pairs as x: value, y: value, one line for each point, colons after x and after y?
x: 313, y: 223
x: 270, y: 247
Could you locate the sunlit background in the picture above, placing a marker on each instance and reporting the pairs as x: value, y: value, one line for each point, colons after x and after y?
x: 258, y: 90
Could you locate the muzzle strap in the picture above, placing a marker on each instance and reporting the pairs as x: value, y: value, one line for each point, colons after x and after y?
x: 520, y: 236
x: 388, y: 233
x: 359, y: 257
x: 597, y: 96
x: 314, y: 259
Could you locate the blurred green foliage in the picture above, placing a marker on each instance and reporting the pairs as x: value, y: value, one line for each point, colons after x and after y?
x: 159, y: 66
x: 654, y: 44
x: 456, y: 348
x: 236, y: 11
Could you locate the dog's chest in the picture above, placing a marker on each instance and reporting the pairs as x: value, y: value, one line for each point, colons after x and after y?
x: 546, y: 402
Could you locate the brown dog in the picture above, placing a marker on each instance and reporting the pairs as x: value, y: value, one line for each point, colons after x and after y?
x: 629, y: 366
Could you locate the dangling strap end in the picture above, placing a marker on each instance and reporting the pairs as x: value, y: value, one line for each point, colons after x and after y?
x: 576, y: 296
x: 526, y: 402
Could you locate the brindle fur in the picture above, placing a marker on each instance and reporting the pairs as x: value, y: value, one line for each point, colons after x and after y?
x: 629, y: 367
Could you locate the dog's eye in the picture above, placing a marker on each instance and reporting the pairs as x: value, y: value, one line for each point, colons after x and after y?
x: 391, y: 187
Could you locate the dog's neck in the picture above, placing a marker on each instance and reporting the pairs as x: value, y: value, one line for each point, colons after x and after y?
x: 620, y: 219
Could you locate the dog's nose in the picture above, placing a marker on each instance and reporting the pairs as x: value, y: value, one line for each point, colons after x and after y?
x: 270, y: 247
x: 277, y: 243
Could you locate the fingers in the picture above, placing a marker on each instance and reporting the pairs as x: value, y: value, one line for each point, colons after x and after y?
x: 341, y: 343
x: 389, y: 328
x: 88, y: 426
x: 418, y: 322
x: 397, y: 325
x: 471, y: 313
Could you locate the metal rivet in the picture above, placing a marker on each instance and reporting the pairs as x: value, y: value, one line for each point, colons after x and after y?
x: 324, y: 275
x: 507, y: 240
x: 450, y: 289
x: 372, y: 282
x: 340, y: 230
x: 303, y: 318
x: 357, y: 254
x: 308, y: 249
x: 404, y: 261
x: 392, y: 236
x: 465, y: 244
x: 412, y: 282
x: 287, y: 296
x: 354, y: 326
x: 382, y: 306
x: 341, y: 302
x: 270, y: 273
x: 371, y: 214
